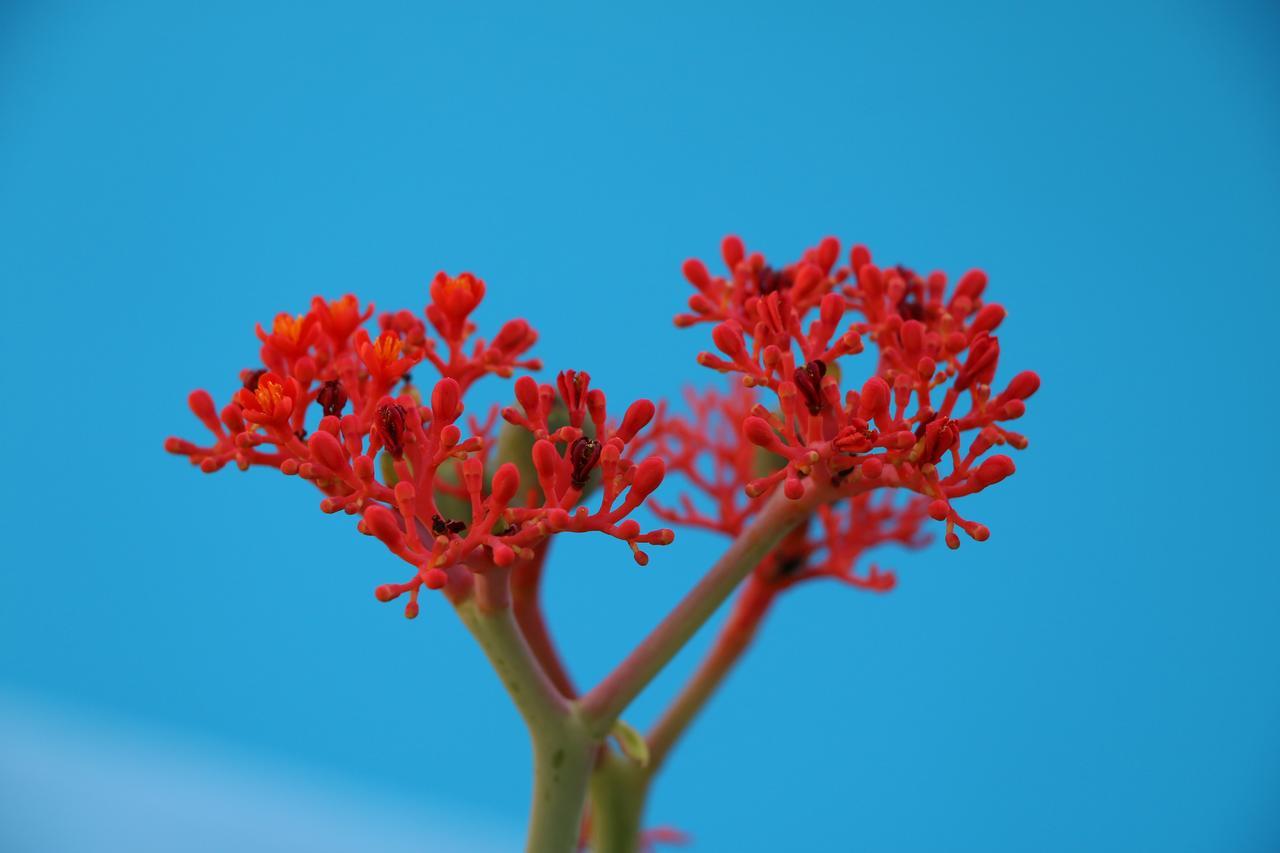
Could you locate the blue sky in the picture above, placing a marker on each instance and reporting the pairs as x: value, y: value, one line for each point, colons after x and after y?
x: 1100, y: 675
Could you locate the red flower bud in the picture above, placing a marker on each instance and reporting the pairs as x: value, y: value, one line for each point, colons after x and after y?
x: 637, y: 418
x: 993, y: 470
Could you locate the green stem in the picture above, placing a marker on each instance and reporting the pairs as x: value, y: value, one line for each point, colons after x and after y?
x: 563, y: 749
x: 619, y: 789
x: 693, y: 696
x: 602, y: 706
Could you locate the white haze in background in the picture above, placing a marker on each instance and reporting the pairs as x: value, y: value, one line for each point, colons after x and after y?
x: 70, y: 784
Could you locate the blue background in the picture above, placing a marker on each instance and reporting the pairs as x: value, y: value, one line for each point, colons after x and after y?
x: 1101, y: 675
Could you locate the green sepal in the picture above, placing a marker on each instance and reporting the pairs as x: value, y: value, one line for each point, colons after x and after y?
x: 632, y: 743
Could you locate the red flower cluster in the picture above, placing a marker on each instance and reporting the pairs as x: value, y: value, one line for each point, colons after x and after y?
x: 435, y: 500
x: 902, y: 428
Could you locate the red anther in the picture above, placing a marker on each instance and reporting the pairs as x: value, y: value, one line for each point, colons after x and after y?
x: 389, y: 427
x: 381, y: 522
x: 637, y: 418
x: 584, y: 453
x: 327, y: 451
x: 728, y: 339
x: 506, y: 482
x: 696, y: 273
x: 990, y: 316
x: 939, y: 510
x: 808, y: 382
x: 732, y: 250
x: 249, y: 378
x: 445, y: 401
x: 993, y: 470
x: 331, y: 397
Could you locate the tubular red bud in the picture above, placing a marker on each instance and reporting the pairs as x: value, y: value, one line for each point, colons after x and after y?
x: 912, y: 334
x: 696, y: 273
x: 971, y: 285
x: 988, y: 318
x: 1022, y: 386
x: 435, y: 578
x: 202, y: 406
x: 545, y: 459
x: 828, y: 251
x: 993, y: 470
x: 938, y: 510
x: 759, y: 433
x: 527, y: 395
x: 381, y: 522
x: 506, y: 482
x: 637, y: 418
x: 728, y: 339
x: 874, y: 398
x: 732, y: 250
x: 872, y: 468
x: 793, y: 488
x: 327, y: 450
x: 511, y: 335
x: 831, y: 310
x: 444, y: 401
x: 648, y: 476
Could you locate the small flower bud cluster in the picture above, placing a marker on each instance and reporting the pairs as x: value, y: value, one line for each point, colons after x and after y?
x: 926, y: 417
x: 435, y: 496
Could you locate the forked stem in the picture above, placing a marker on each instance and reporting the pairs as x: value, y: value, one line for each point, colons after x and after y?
x: 607, y: 700
x: 563, y: 748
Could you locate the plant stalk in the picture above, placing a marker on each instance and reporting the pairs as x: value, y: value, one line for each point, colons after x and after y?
x: 563, y: 747
x: 607, y: 700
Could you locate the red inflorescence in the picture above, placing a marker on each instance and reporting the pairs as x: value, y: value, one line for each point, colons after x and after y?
x: 435, y: 499
x: 904, y: 427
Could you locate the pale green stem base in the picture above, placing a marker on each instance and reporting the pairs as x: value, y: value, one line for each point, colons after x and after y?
x: 563, y: 749
x: 619, y: 789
